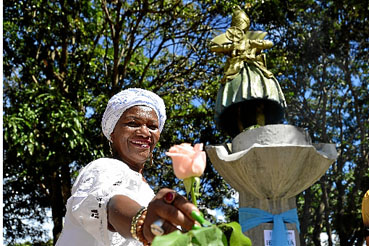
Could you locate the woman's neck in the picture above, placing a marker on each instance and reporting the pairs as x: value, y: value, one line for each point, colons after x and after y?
x: 136, y: 168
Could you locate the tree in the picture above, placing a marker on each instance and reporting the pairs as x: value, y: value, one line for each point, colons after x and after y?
x: 64, y: 59
x: 324, y: 70
x: 46, y: 91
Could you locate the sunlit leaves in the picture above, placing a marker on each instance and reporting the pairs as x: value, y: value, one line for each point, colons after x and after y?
x: 63, y: 60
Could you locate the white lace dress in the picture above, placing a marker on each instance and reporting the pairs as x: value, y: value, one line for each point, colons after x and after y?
x: 86, y: 217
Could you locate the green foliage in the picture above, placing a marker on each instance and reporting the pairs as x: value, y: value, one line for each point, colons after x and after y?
x: 174, y: 238
x: 64, y: 59
x: 203, y: 236
x: 323, y: 69
x: 48, y: 243
x: 222, y: 235
x: 234, y: 235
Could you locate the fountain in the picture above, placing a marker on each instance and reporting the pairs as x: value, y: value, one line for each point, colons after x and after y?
x: 268, y: 163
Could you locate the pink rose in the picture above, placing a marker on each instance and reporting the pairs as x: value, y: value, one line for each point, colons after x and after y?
x: 188, y: 161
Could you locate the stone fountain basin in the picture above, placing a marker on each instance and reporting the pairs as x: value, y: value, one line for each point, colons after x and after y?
x: 273, y: 161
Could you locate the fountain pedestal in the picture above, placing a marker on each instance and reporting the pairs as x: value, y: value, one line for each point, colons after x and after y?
x: 269, y: 166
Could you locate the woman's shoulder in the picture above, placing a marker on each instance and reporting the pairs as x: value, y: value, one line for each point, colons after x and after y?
x: 106, y: 163
x: 105, y: 171
x: 105, y: 167
x: 104, y: 160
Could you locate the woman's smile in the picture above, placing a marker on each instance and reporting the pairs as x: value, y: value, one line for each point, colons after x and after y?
x: 143, y: 144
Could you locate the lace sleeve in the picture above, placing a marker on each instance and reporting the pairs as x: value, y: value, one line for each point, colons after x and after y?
x: 96, y: 184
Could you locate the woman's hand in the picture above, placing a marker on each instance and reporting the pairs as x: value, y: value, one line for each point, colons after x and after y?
x: 173, y: 209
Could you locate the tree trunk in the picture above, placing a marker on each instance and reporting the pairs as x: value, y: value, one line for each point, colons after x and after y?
x: 57, y: 204
x: 305, y: 220
x: 326, y: 211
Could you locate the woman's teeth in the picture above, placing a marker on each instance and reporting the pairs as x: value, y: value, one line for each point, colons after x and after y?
x: 143, y: 144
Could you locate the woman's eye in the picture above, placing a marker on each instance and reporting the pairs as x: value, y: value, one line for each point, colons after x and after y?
x: 132, y: 124
x: 153, y: 127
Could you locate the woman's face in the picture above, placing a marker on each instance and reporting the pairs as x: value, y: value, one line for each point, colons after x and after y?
x: 135, y: 136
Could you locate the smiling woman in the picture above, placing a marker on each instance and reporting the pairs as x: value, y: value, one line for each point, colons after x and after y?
x: 111, y: 204
x: 135, y: 136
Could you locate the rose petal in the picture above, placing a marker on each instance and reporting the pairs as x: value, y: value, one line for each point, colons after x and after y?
x: 198, y: 147
x: 199, y: 164
x: 182, y: 166
x: 175, y: 154
x: 187, y: 161
x: 183, y: 148
x: 186, y: 148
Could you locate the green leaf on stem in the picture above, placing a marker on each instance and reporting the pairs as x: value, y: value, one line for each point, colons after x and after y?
x: 188, y: 185
x: 175, y: 238
x: 192, y: 186
x: 233, y: 232
x: 196, y: 186
x: 221, y: 235
x: 203, y: 236
x: 208, y: 236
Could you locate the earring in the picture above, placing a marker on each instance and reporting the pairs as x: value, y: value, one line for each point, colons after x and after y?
x: 150, y: 159
x: 111, y: 149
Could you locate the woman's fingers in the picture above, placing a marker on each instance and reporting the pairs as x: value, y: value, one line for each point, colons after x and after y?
x: 152, y: 226
x: 182, y: 204
x: 174, y: 209
x: 169, y: 197
x: 159, y: 227
x: 175, y: 216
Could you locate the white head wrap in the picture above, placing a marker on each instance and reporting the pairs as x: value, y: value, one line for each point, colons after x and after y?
x: 127, y: 99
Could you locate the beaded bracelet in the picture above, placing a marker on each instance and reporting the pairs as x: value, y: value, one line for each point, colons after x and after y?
x: 137, y: 226
x: 139, y: 229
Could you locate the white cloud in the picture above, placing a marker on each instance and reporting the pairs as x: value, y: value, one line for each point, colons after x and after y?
x: 212, y: 212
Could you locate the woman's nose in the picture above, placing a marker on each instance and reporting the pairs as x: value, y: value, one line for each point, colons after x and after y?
x: 144, y: 130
